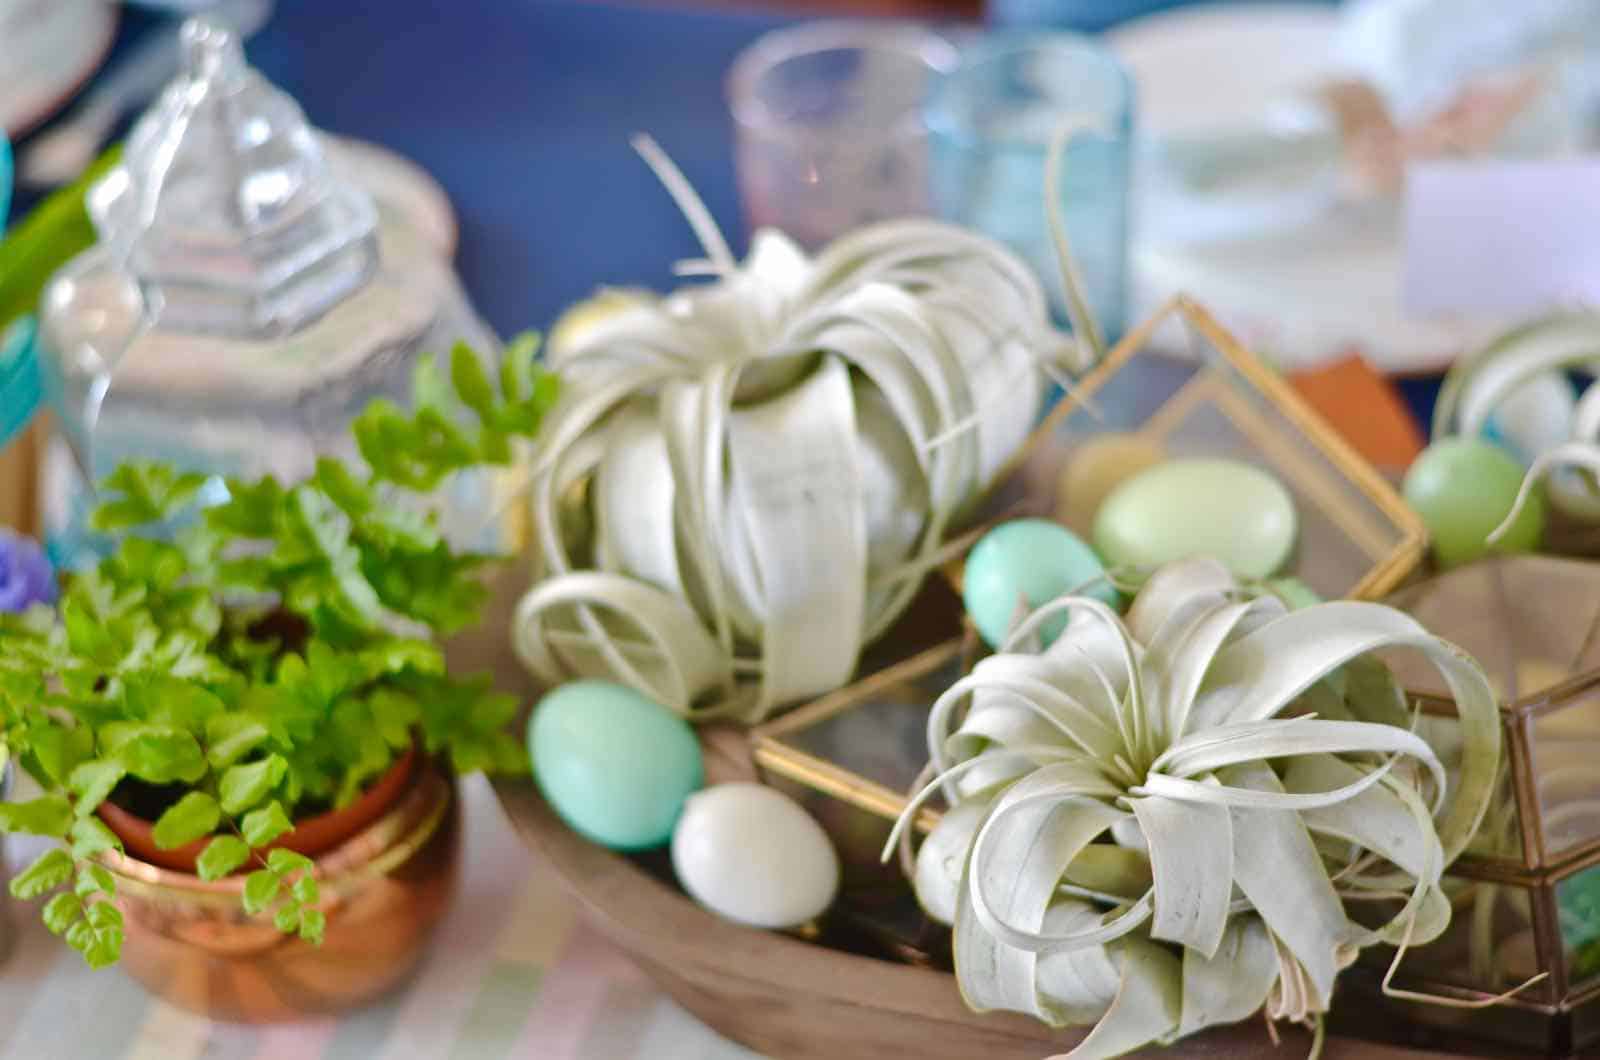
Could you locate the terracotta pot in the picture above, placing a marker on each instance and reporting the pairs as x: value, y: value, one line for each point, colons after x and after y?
x: 310, y: 837
x: 383, y: 890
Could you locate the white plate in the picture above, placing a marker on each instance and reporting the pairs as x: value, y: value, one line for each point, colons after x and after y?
x: 48, y: 49
x: 1216, y: 69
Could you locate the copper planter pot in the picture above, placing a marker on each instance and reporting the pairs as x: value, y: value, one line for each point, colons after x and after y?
x: 190, y: 943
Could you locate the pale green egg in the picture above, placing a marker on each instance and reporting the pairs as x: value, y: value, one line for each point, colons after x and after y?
x: 1463, y: 488
x: 1022, y: 565
x: 614, y: 765
x: 1227, y: 509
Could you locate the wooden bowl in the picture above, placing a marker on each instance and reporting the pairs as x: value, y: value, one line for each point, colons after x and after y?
x: 794, y: 1000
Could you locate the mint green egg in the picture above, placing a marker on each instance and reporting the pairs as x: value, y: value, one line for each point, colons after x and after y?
x: 614, y: 765
x: 1032, y: 561
x: 1463, y: 488
x: 1227, y: 509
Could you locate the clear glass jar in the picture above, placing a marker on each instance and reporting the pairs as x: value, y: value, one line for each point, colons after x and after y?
x: 243, y: 304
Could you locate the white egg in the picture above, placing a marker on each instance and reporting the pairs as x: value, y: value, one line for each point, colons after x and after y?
x: 1535, y: 416
x: 753, y: 855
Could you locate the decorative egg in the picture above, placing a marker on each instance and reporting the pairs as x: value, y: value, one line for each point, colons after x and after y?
x: 1233, y: 511
x: 614, y: 765
x: 1024, y: 564
x: 1094, y: 469
x: 752, y: 855
x: 1294, y: 593
x: 1534, y: 417
x: 1463, y: 488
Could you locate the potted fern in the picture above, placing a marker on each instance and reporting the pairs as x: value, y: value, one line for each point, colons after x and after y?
x: 243, y: 733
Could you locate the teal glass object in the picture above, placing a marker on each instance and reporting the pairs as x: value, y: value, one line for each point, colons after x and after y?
x: 990, y: 125
x: 5, y: 177
x: 1578, y: 912
x: 1033, y: 561
x: 614, y: 765
x: 21, y: 388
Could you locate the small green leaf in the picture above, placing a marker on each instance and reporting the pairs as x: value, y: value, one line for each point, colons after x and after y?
x: 221, y: 856
x: 251, y: 509
x: 428, y: 389
x: 103, y: 915
x: 395, y: 714
x: 59, y: 749
x: 87, y: 636
x: 49, y: 871
x: 90, y: 836
x: 284, y: 861
x: 103, y: 944
x: 472, y: 385
x: 62, y: 911
x: 312, y: 924
x: 262, y: 826
x: 94, y: 879
x: 167, y: 700
x: 162, y: 755
x: 244, y: 786
x: 305, y: 890
x: 354, y: 498
x: 260, y: 890
x: 92, y: 782
x: 287, y: 918
x: 229, y: 737
x: 49, y: 815
x: 196, y: 814
x: 150, y: 493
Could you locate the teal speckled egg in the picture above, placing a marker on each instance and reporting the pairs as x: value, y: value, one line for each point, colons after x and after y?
x: 1027, y: 559
x: 1463, y: 488
x: 1233, y: 511
x: 614, y: 765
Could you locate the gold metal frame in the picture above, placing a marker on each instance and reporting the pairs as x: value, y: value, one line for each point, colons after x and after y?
x: 1388, y: 571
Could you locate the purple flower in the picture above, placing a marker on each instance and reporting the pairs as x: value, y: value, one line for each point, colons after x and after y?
x: 25, y: 575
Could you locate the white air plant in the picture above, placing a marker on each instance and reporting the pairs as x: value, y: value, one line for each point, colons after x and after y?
x: 764, y: 466
x: 1163, y: 822
x: 1520, y: 375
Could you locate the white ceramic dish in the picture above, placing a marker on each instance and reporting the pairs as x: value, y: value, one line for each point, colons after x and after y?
x: 48, y: 49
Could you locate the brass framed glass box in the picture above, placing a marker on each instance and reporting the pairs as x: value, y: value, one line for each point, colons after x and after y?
x: 1180, y: 385
x: 1528, y: 892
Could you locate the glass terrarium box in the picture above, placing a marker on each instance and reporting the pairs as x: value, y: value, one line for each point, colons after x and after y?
x: 1180, y: 387
x: 1527, y: 894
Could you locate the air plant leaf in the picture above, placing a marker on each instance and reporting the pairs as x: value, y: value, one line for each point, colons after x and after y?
x: 1184, y: 740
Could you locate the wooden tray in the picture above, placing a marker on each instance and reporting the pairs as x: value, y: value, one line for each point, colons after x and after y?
x: 784, y: 997
x: 793, y: 1000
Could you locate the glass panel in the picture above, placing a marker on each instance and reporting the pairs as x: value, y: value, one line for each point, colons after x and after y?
x: 1488, y: 948
x: 1530, y: 620
x: 1578, y: 911
x: 1566, y: 762
x: 1181, y: 395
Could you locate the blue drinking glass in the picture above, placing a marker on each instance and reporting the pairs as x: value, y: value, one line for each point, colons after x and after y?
x: 991, y: 123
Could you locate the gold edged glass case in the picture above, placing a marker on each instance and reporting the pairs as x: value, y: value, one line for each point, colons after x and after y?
x: 1528, y: 891
x: 1180, y: 386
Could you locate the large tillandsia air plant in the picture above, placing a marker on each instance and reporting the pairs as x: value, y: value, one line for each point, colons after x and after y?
x: 1179, y: 818
x: 746, y: 480
x: 1522, y: 376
